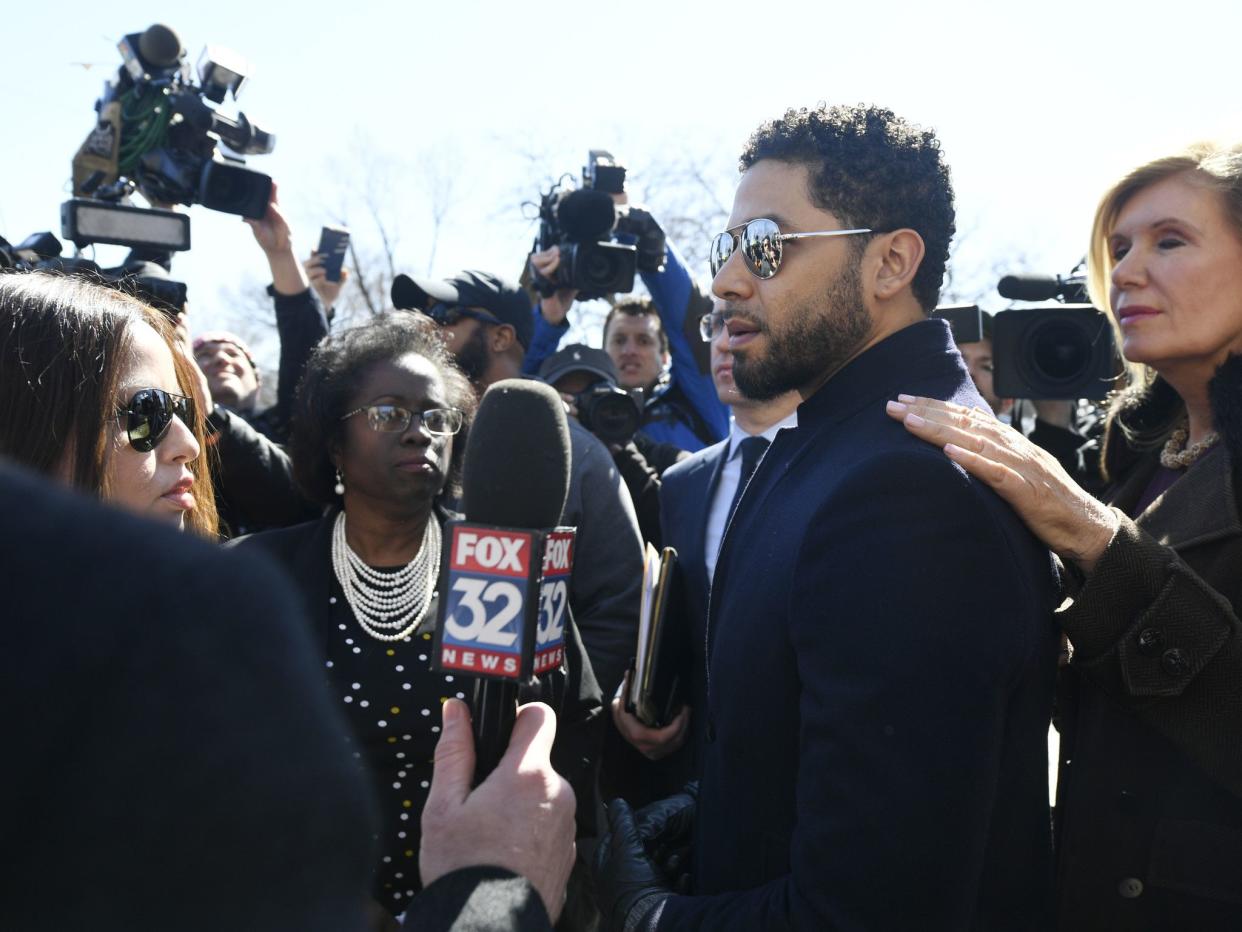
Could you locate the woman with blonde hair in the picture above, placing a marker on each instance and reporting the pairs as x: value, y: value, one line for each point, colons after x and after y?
x: 1149, y: 798
x: 95, y: 393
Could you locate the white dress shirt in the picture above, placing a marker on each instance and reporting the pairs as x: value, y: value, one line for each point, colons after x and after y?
x: 718, y: 513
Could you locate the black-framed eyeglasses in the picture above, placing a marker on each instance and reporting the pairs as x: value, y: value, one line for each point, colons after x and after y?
x: 710, y: 326
x: 150, y: 413
x: 393, y: 419
x: 446, y: 315
x: 762, y: 244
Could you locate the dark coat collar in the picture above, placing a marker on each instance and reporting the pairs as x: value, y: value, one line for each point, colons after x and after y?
x: 1200, y: 507
x: 920, y: 350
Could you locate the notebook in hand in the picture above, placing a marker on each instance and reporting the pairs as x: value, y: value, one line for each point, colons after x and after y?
x: 658, y: 678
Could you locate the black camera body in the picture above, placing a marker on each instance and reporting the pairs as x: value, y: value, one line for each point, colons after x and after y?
x: 145, y: 281
x: 610, y: 413
x: 157, y: 132
x: 580, y: 222
x: 965, y: 321
x: 584, y: 223
x: 1061, y: 351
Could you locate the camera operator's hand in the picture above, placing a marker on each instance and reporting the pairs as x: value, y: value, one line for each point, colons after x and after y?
x: 520, y: 818
x: 652, y: 743
x: 556, y: 306
x: 276, y: 240
x: 571, y: 405
x: 328, y: 291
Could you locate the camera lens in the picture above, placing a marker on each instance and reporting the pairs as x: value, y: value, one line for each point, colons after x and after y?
x: 1060, y: 350
x: 611, y: 414
x: 601, y: 268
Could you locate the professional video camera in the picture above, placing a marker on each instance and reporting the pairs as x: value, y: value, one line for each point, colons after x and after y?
x: 1058, y: 351
x: 585, y: 223
x: 156, y: 132
x: 146, y: 281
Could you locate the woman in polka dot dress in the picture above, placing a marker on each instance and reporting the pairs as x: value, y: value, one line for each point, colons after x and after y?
x: 377, y: 414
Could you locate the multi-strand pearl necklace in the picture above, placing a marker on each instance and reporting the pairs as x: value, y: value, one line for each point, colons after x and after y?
x: 1176, y: 456
x: 386, y: 602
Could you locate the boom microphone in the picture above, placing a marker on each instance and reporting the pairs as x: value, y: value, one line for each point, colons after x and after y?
x: 1042, y: 288
x: 502, y: 614
x: 160, y: 46
x: 586, y: 214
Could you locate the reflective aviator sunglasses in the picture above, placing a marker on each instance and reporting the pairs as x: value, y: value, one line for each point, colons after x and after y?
x: 762, y: 245
x: 150, y: 413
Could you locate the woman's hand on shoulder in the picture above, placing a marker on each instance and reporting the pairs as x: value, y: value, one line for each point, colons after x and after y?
x: 1071, y: 523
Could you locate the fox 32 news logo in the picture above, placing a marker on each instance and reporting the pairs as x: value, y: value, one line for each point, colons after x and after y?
x: 489, y: 606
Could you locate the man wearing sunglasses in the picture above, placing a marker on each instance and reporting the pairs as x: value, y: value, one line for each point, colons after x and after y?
x: 485, y: 320
x: 487, y: 324
x: 880, y: 646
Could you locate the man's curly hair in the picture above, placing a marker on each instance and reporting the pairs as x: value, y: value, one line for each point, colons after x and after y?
x: 872, y: 169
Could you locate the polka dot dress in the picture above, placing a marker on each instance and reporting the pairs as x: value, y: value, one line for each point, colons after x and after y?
x: 392, y: 701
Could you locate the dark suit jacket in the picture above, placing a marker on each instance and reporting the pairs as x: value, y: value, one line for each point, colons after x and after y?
x: 685, y: 502
x: 882, y: 656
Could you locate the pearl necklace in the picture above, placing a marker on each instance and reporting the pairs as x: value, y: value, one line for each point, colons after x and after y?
x: 384, y: 602
x: 1175, y: 456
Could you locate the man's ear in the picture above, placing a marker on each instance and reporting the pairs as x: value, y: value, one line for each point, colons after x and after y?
x: 896, y: 261
x: 501, y: 338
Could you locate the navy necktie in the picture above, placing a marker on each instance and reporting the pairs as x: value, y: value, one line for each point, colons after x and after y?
x: 752, y: 451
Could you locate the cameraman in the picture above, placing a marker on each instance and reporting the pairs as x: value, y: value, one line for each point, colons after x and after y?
x: 651, y: 349
x: 587, y: 381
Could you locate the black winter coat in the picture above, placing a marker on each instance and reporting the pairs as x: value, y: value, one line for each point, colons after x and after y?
x: 1149, y: 805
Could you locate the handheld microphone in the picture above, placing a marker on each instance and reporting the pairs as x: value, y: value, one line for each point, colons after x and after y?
x: 1042, y: 288
x: 506, y: 566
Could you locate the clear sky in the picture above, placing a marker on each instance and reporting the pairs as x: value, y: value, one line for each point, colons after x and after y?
x: 1038, y: 106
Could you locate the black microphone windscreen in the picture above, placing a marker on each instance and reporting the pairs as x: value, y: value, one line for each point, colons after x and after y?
x: 516, y: 467
x: 1029, y: 287
x: 586, y: 214
x: 160, y: 46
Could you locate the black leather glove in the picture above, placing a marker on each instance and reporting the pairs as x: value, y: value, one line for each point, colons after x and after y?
x: 629, y: 888
x: 666, y: 828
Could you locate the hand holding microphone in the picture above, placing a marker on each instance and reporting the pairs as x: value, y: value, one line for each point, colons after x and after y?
x: 520, y: 818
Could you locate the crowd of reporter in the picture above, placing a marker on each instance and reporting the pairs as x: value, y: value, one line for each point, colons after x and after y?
x: 271, y: 745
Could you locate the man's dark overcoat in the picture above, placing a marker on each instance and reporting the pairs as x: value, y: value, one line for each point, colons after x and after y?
x: 881, y: 665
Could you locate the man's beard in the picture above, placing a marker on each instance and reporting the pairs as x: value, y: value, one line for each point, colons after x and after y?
x: 814, y: 340
x: 472, y: 358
